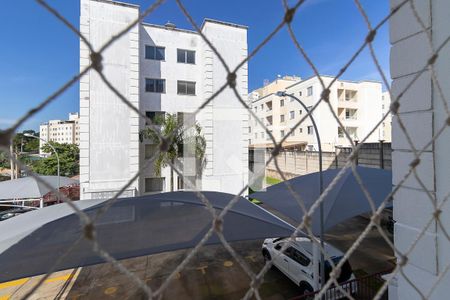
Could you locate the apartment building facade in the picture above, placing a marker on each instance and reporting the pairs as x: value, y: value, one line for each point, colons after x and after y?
x: 358, y: 105
x: 161, y: 70
x: 59, y: 131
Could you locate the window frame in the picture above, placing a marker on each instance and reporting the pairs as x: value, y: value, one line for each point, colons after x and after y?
x: 186, y: 56
x: 186, y: 82
x: 155, y: 52
x: 310, y: 130
x: 152, y: 114
x: 309, y: 91
x: 163, y: 179
x: 156, y: 85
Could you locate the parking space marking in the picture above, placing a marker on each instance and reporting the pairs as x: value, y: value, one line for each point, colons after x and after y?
x: 111, y: 290
x: 228, y: 263
x: 59, y: 278
x: 202, y: 269
x: 13, y: 283
x: 251, y: 257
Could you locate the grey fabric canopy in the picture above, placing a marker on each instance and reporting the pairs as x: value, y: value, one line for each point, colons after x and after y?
x: 30, y: 243
x: 344, y: 201
x: 29, y: 187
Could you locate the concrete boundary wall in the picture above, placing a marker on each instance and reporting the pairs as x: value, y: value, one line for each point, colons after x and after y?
x: 295, y: 162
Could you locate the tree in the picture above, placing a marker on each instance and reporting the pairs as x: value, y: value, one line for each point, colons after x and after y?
x: 69, y: 157
x: 4, y: 160
x: 178, y: 140
x: 22, y: 143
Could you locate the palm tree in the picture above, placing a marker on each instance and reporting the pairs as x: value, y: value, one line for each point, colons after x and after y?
x: 178, y: 140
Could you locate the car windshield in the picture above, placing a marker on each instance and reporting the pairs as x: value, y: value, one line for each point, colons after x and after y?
x: 278, y: 239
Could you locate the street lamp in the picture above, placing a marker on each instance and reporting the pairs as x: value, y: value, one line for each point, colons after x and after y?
x: 56, y: 153
x: 322, y: 260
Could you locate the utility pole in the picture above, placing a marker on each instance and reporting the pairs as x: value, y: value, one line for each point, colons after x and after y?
x: 11, y: 160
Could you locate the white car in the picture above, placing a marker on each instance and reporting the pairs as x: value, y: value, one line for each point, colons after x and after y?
x: 296, y: 261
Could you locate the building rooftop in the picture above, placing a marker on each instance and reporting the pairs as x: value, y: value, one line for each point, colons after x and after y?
x: 118, y: 3
x: 207, y: 20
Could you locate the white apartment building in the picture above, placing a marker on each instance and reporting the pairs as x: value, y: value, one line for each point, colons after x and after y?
x: 63, y: 132
x: 160, y: 69
x: 358, y: 106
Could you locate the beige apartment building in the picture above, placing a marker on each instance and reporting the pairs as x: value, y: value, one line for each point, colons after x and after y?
x: 358, y: 105
x: 59, y: 131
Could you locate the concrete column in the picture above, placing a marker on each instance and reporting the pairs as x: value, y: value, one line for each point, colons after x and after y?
x: 423, y: 113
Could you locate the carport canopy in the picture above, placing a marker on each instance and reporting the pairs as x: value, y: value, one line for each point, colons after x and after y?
x: 31, y: 243
x: 344, y: 200
x: 32, y: 188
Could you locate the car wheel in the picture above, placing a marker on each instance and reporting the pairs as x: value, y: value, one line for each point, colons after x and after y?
x: 266, y: 256
x: 305, y: 288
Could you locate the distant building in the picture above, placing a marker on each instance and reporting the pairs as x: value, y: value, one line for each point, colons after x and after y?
x: 63, y: 132
x: 358, y: 105
x: 160, y: 69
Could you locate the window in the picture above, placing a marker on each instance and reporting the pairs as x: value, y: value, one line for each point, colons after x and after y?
x: 299, y: 257
x: 310, y: 130
x: 185, y: 87
x: 293, y: 133
x: 262, y: 134
x: 350, y: 114
x: 300, y: 93
x: 185, y: 118
x: 282, y: 133
x: 309, y: 91
x: 155, y: 53
x: 340, y: 132
x: 292, y: 114
x: 256, y: 109
x: 155, y: 85
x: 154, y: 116
x: 282, y: 118
x: 185, y: 56
x: 281, y: 102
x: 279, y: 246
x: 300, y: 130
x: 262, y: 107
x: 154, y: 184
x: 300, y: 112
x: 150, y: 150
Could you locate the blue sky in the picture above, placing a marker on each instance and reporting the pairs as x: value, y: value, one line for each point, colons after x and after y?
x: 39, y: 54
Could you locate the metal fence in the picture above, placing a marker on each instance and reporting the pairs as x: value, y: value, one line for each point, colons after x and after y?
x: 363, y: 288
x: 230, y: 83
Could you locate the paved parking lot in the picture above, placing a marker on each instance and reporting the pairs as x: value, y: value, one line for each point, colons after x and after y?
x: 212, y: 274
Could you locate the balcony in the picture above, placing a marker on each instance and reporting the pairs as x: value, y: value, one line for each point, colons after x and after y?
x: 347, y: 98
x: 347, y: 114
